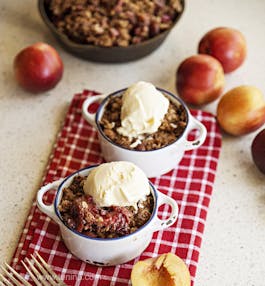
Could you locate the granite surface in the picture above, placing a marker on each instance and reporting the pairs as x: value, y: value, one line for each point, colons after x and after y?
x: 233, y: 246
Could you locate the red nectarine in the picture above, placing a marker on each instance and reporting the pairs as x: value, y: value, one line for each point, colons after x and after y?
x: 200, y: 79
x: 38, y: 67
x: 227, y: 45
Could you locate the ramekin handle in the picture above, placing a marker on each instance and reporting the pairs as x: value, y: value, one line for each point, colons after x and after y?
x: 48, y: 209
x: 199, y: 140
x: 91, y: 117
x: 160, y: 224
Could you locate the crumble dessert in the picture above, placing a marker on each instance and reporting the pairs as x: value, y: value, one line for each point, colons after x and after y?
x: 171, y: 128
x: 109, y: 23
x: 81, y: 213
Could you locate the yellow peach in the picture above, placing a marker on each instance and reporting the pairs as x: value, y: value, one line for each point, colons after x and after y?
x: 166, y: 269
x: 241, y: 110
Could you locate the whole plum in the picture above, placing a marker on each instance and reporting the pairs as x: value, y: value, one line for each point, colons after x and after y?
x: 258, y: 150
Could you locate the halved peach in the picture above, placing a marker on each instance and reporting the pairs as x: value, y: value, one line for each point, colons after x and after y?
x: 166, y: 269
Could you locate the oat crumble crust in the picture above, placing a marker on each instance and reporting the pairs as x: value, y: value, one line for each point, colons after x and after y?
x: 109, y: 23
x: 172, y: 127
x: 80, y: 213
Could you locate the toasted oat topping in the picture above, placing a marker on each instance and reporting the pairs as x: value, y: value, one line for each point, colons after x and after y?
x: 172, y: 127
x: 113, y: 22
x: 80, y: 213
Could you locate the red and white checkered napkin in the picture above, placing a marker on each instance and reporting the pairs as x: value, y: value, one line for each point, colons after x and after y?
x: 190, y: 184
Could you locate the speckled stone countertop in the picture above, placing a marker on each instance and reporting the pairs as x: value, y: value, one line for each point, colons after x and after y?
x: 233, y: 249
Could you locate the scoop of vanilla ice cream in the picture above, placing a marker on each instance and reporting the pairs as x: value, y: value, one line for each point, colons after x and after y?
x: 117, y: 184
x: 143, y: 109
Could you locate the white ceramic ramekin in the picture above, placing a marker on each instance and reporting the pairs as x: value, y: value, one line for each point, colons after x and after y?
x: 155, y: 162
x: 110, y: 251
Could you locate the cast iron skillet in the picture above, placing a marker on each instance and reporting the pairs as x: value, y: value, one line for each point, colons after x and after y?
x: 106, y: 54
